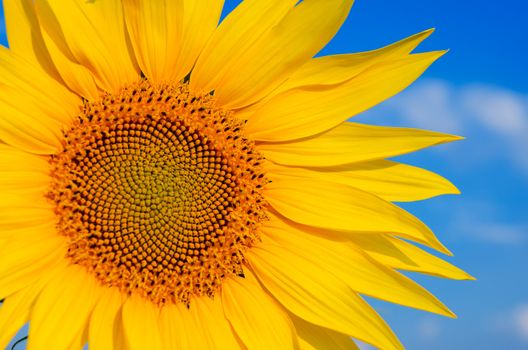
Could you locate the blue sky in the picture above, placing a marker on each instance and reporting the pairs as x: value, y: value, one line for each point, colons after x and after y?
x: 478, y: 90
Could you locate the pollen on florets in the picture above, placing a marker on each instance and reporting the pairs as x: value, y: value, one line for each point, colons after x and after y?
x: 158, y: 192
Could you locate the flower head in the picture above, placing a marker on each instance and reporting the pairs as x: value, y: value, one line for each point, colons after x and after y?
x: 171, y: 183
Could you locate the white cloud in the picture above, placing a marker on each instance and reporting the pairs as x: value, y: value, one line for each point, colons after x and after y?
x: 481, y: 219
x: 520, y: 321
x: 500, y: 233
x: 504, y: 114
x: 429, y: 105
x: 494, y: 119
x: 429, y: 329
x: 500, y: 110
x: 513, y: 323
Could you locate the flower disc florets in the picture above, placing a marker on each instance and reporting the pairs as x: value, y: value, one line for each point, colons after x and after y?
x: 158, y: 192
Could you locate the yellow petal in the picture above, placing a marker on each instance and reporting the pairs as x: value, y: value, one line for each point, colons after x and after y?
x: 261, y: 44
x: 317, y: 296
x: 95, y: 33
x: 12, y: 160
x: 30, y: 83
x: 15, y: 312
x: 76, y: 76
x: 20, y: 171
x: 352, y: 143
x: 140, y: 324
x: 34, y: 108
x: 329, y: 70
x: 402, y: 255
x: 249, y: 21
x: 300, y: 113
x: 37, y: 222
x: 174, y: 327
x: 32, y: 39
x: 22, y: 126
x: 105, y: 320
x: 25, y: 211
x: 155, y: 29
x: 120, y: 341
x: 63, y: 308
x: 23, y: 181
x: 211, y: 330
x: 25, y: 262
x: 256, y: 318
x: 79, y: 342
x: 339, y: 207
x: 355, y: 268
x: 24, y: 36
x: 313, y: 337
x: 45, y: 230
x: 200, y: 18
x: 21, y: 251
x: 391, y: 181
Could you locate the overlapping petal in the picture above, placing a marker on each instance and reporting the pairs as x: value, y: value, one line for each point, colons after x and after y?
x: 200, y: 19
x: 137, y: 312
x: 58, y: 310
x: 155, y: 29
x: 105, y: 329
x: 25, y: 260
x: 267, y: 326
x: 317, y: 296
x: 174, y: 328
x: 348, y: 263
x: 209, y: 329
x: 21, y: 171
x: 19, y: 211
x: 25, y: 37
x: 261, y: 44
x: 34, y: 106
x: 351, y: 143
x: 330, y: 71
x: 336, y: 69
x: 16, y: 311
x: 93, y: 33
x: 389, y: 180
x: 397, y: 253
x: 313, y: 337
x: 75, y: 75
x: 300, y: 112
x: 343, y: 208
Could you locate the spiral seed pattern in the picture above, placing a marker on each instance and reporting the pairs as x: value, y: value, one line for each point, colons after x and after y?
x: 158, y: 192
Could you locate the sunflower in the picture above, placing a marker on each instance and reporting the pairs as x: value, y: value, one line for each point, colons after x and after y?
x: 171, y: 183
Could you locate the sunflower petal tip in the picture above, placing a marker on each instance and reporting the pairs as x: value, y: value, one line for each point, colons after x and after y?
x: 457, y: 138
x: 442, y: 249
x: 428, y: 32
x: 443, y: 310
x: 450, y: 188
x: 447, y: 252
x: 429, y: 57
x: 442, y: 52
x: 469, y: 277
x: 447, y: 138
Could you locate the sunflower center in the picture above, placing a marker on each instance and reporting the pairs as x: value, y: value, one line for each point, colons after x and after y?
x: 158, y: 192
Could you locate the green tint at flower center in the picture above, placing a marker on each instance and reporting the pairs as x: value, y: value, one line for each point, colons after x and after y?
x: 158, y: 192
